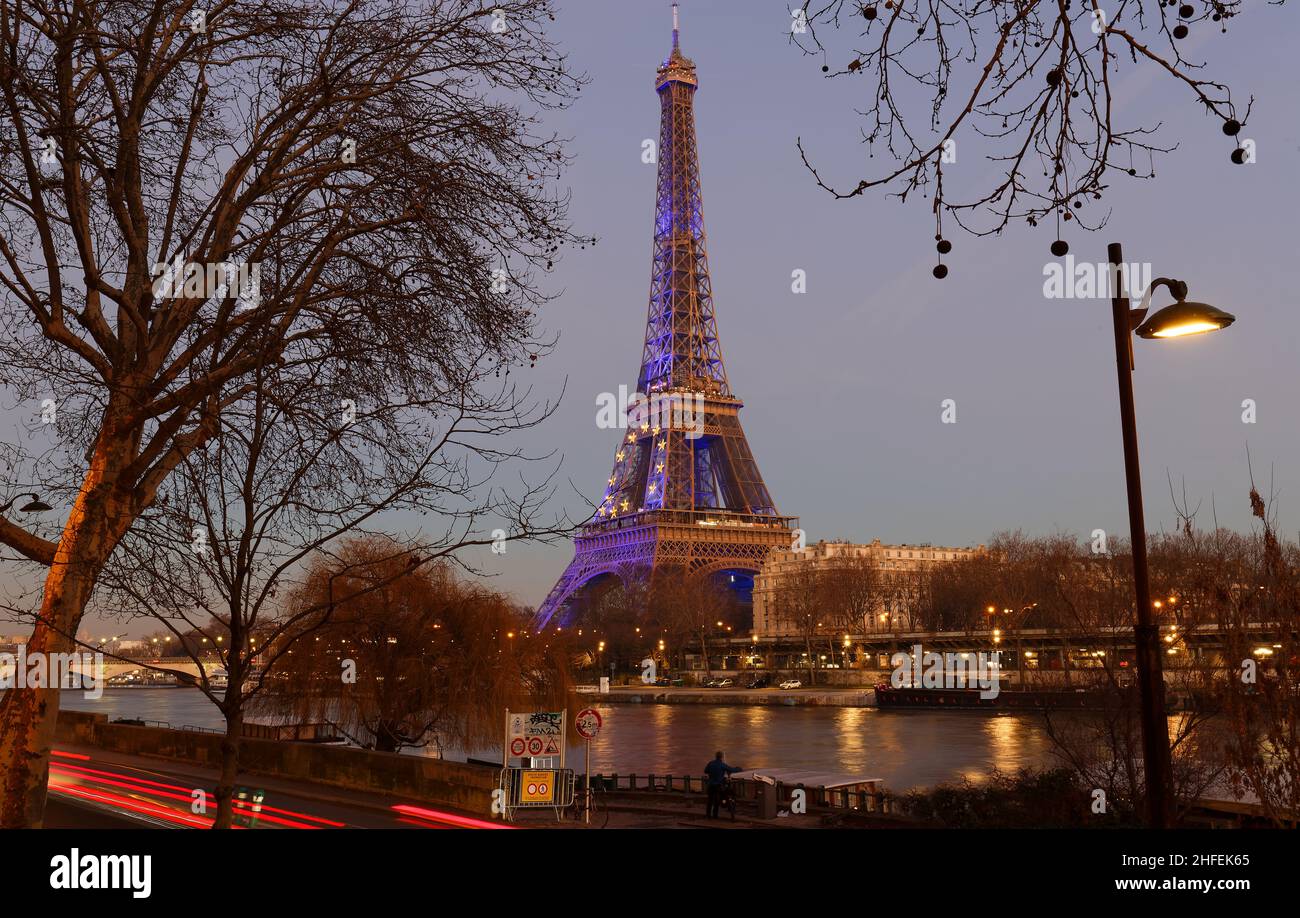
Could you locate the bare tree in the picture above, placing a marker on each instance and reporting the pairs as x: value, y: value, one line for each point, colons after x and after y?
x: 1031, y: 85
x: 802, y: 605
x: 1082, y: 602
x: 1259, y: 628
x: 609, y: 613
x: 291, y: 474
x: 689, y: 606
x: 188, y: 194
x: 855, y: 593
x: 413, y: 657
x: 905, y: 596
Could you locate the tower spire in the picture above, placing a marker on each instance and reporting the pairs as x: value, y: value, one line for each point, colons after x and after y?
x: 675, y: 31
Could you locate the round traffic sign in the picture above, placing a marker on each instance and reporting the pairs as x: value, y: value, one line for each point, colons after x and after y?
x: 535, y: 745
x: 517, y: 746
x: 588, y: 722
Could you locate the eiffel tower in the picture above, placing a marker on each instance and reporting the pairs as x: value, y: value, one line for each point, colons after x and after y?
x: 685, y: 490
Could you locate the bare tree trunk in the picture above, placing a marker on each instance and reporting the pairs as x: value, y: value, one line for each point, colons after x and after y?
x: 28, y: 717
x: 386, y: 736
x: 229, y: 760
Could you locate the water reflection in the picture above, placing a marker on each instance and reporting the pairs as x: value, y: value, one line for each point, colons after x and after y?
x: 905, y: 748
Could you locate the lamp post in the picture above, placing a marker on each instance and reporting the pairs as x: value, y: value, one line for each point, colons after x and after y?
x: 1174, y: 321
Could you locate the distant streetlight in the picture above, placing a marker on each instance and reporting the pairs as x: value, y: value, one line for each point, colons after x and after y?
x: 1176, y: 321
x: 35, y: 505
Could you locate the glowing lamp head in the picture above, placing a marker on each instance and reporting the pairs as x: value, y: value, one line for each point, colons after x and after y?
x: 1183, y: 319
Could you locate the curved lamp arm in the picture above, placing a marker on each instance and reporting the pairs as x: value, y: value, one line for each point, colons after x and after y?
x: 33, y: 495
x: 1176, y: 287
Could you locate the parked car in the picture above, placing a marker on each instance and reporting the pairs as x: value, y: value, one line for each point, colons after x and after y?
x: 791, y: 684
x: 708, y: 682
x: 758, y: 682
x: 726, y: 683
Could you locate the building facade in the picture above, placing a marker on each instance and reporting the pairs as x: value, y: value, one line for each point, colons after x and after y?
x: 893, y: 565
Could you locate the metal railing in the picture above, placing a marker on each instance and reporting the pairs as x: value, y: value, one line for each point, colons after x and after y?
x: 863, y: 801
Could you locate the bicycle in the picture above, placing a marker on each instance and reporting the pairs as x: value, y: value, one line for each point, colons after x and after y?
x: 726, y: 798
x: 599, y: 805
x: 728, y: 801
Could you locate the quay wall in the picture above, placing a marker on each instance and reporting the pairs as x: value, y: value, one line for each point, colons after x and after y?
x: 437, y: 781
x: 849, y: 699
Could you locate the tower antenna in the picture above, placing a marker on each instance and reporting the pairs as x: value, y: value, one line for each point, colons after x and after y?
x: 674, y: 25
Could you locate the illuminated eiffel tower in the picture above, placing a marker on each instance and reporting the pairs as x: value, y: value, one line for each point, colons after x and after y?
x: 685, y: 491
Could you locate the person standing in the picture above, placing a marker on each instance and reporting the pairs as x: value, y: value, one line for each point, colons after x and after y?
x: 716, y: 772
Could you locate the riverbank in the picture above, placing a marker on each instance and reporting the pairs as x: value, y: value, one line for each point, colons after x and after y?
x: 907, y: 749
x: 820, y: 697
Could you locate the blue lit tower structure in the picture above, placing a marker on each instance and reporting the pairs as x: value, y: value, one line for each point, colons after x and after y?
x: 685, y: 492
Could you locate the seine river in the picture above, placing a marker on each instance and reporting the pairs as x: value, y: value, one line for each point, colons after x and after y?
x: 905, y: 748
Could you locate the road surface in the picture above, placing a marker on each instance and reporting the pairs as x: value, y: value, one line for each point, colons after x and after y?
x: 92, y: 788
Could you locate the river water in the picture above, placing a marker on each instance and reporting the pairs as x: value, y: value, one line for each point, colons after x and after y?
x: 905, y: 748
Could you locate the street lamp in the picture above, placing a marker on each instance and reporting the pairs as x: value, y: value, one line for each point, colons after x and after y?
x: 1176, y: 321
x: 35, y: 505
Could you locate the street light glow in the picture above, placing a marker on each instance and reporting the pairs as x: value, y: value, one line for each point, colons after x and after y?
x: 1187, y: 328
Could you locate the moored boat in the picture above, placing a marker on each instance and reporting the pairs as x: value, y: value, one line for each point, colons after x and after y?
x: 1007, y: 698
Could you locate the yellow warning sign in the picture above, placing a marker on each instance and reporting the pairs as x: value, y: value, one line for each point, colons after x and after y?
x: 536, y: 786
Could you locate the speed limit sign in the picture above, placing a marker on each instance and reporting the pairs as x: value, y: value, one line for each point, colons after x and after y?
x: 588, y: 723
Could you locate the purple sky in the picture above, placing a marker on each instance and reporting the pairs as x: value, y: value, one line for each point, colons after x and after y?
x: 843, y: 385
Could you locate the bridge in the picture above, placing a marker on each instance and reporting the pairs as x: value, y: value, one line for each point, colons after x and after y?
x: 183, y: 668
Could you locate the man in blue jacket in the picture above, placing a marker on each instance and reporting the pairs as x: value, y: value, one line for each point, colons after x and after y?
x: 716, y: 771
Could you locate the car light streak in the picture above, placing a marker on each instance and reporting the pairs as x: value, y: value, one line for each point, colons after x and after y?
x: 465, y: 822
x: 177, y: 792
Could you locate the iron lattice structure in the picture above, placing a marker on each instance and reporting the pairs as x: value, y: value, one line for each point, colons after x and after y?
x: 685, y: 491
